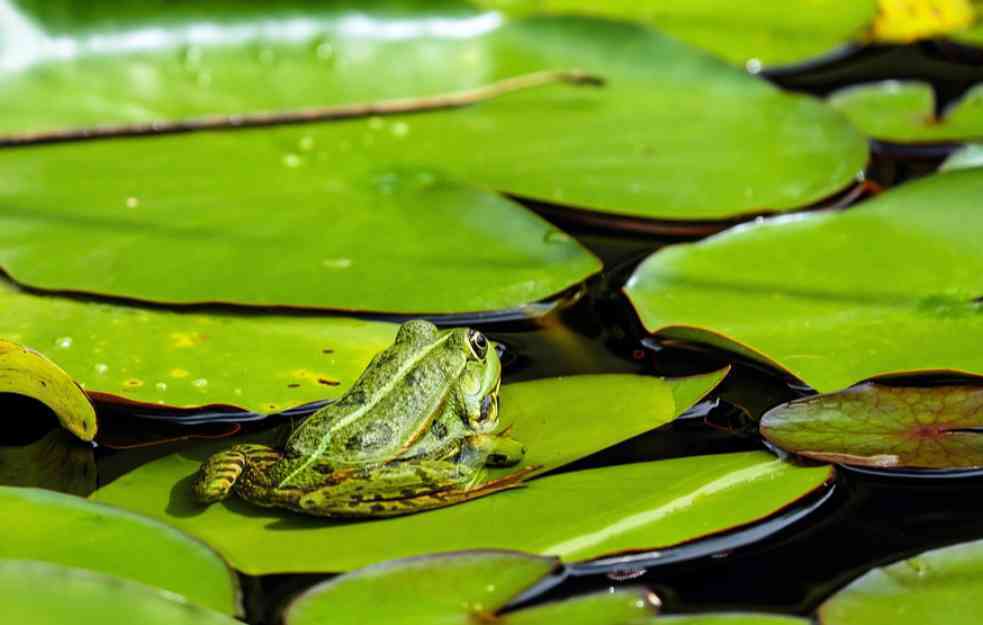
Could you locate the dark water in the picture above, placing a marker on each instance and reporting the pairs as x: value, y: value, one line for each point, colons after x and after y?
x: 787, y: 564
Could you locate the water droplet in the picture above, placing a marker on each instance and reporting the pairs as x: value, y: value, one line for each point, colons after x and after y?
x: 191, y: 56
x: 306, y: 143
x: 292, y: 160
x: 490, y: 588
x: 161, y: 386
x: 200, y: 383
x: 400, y: 129
x: 132, y: 202
x: 203, y: 78
x: 267, y: 56
x: 237, y: 391
x: 102, y: 368
x: 753, y: 66
x: 337, y: 263
x: 64, y: 342
x: 178, y: 373
x: 388, y: 183
x: 556, y: 236
x: 635, y: 187
x: 376, y: 123
x: 324, y: 51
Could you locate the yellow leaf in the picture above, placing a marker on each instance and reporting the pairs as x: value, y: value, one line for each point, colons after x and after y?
x: 902, y: 21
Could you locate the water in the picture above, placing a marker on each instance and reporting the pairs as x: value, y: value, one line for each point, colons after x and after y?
x: 788, y: 564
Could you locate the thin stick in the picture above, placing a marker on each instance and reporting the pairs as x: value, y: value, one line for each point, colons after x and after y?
x: 452, y: 100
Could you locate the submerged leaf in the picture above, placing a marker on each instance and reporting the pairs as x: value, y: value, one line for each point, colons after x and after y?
x: 42, y: 525
x: 41, y: 593
x: 939, y: 427
x: 888, y: 286
x: 942, y: 586
x: 904, y: 112
x: 27, y: 372
x: 264, y: 363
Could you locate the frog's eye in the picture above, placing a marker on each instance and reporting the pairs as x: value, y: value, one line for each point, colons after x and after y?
x: 478, y: 344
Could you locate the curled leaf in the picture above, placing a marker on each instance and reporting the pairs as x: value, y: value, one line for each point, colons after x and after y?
x: 26, y: 372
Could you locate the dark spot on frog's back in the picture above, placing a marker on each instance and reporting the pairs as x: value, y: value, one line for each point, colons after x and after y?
x: 439, y: 430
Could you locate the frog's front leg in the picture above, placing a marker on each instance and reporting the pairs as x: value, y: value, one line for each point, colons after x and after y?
x: 219, y: 473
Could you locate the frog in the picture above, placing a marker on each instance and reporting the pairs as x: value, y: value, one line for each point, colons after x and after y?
x: 417, y: 430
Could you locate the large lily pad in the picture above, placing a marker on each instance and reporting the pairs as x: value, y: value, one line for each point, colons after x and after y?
x: 762, y: 33
x: 27, y: 372
x: 456, y: 588
x: 66, y: 530
x: 46, y: 594
x: 548, y: 516
x: 835, y: 298
x: 401, y: 50
x: 260, y: 362
x: 939, y: 586
x: 939, y: 427
x: 904, y: 112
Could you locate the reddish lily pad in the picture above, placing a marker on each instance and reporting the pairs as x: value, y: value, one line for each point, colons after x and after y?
x: 875, y: 425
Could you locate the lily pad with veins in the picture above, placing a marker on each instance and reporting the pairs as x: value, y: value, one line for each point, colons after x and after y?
x: 874, y: 425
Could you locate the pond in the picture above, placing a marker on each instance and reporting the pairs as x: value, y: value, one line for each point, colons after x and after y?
x: 721, y: 284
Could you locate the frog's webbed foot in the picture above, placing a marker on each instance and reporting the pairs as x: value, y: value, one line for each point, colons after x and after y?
x: 219, y: 473
x: 494, y: 450
x: 396, y: 490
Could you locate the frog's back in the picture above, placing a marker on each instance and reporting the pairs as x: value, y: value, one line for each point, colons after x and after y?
x: 388, y: 406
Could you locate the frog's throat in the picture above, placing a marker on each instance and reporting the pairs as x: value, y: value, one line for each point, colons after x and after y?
x: 373, y: 400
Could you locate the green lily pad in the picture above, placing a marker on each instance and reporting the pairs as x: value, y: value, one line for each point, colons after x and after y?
x: 27, y: 372
x: 455, y: 588
x: 760, y: 33
x: 546, y: 517
x: 736, y: 618
x: 884, y: 426
x: 62, y: 529
x: 46, y: 594
x: 385, y: 51
x: 938, y: 586
x: 890, y: 285
x: 904, y: 112
x: 260, y: 362
x: 968, y: 156
x: 56, y: 461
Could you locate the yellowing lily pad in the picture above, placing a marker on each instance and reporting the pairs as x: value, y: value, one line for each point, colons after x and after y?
x: 939, y: 586
x: 56, y: 461
x: 41, y: 593
x: 699, y: 496
x: 904, y: 112
x: 939, y: 427
x: 771, y: 32
x: 66, y: 530
x: 27, y: 372
x: 403, y: 168
x: 903, y: 21
x: 836, y: 298
x: 263, y: 363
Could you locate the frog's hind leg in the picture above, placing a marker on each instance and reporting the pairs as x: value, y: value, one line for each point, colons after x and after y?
x: 219, y: 473
x: 396, y: 490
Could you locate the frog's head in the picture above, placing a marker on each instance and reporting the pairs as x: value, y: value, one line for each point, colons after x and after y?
x: 481, y: 378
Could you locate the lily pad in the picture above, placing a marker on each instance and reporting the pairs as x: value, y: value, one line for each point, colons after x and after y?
x: 836, y: 298
x: 546, y: 517
x: 383, y: 51
x: 62, y: 529
x: 56, y: 461
x: 904, y: 112
x: 964, y: 158
x: 456, y: 588
x: 939, y: 586
x: 260, y: 362
x: 939, y: 427
x: 27, y: 372
x: 46, y: 594
x: 752, y: 34
x: 696, y: 497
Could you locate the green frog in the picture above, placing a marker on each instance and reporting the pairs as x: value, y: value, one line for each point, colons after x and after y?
x: 414, y: 432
